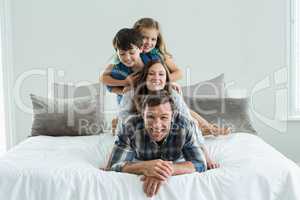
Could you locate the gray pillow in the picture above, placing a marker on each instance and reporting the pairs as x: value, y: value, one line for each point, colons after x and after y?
x: 225, y: 112
x: 213, y: 88
x: 67, y: 117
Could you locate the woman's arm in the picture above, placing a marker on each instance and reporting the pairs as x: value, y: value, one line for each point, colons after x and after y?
x: 181, y: 106
x: 106, y: 78
x: 175, y: 72
x: 126, y: 106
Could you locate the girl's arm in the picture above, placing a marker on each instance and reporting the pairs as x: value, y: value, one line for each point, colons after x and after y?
x: 106, y: 78
x: 175, y: 72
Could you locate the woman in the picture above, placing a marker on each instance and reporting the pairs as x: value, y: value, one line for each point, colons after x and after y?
x: 148, y: 83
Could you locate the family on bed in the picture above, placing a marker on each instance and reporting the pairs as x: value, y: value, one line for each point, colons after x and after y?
x: 158, y: 136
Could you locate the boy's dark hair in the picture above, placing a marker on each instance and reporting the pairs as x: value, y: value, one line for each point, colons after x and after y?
x: 158, y: 98
x: 127, y: 37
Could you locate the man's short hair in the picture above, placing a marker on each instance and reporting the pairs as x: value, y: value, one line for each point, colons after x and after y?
x: 158, y: 98
x: 127, y: 37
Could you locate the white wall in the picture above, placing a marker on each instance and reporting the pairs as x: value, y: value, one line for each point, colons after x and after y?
x: 2, y: 115
x: 244, y: 39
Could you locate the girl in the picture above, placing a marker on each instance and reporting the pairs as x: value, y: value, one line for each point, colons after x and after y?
x: 153, y: 43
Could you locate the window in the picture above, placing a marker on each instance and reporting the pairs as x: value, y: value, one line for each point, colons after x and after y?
x: 7, y: 130
x: 295, y: 59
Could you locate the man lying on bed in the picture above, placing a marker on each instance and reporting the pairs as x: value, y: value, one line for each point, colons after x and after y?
x: 159, y: 144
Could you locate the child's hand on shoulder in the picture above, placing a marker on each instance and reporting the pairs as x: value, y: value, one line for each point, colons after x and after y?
x: 131, y: 79
x: 126, y: 89
x: 176, y: 87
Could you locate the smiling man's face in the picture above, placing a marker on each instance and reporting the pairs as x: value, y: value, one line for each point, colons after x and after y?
x: 158, y: 120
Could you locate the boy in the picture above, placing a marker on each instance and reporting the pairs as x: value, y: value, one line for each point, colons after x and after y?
x: 128, y: 44
x: 119, y: 77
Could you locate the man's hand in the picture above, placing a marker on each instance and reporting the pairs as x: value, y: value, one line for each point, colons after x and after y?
x: 159, y: 169
x: 151, y: 185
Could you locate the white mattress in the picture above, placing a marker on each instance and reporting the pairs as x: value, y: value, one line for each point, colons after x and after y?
x: 67, y: 168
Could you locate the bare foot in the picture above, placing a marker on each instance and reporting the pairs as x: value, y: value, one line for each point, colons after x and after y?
x: 212, y: 164
x: 215, y: 130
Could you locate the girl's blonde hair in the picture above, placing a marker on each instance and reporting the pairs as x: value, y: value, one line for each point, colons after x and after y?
x: 151, y: 23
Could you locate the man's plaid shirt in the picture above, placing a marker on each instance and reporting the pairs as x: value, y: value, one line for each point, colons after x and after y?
x: 181, y: 144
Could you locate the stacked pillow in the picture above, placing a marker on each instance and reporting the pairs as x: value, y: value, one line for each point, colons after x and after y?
x: 73, y: 111
x: 208, y: 99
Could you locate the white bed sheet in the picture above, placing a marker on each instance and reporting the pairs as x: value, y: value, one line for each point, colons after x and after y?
x: 67, y: 168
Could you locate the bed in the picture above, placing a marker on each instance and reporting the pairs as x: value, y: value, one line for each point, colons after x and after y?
x: 67, y: 168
